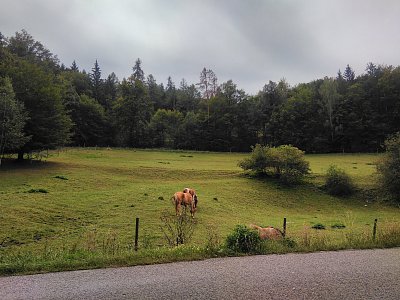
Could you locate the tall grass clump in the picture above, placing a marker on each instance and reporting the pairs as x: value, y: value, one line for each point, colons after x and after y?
x: 338, y: 182
x: 389, y: 235
x: 213, y: 241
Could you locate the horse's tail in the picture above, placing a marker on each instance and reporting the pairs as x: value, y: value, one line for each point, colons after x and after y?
x: 195, y: 200
x: 281, y: 233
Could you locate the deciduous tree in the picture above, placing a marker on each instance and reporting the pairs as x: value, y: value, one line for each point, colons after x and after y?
x: 41, y: 94
x: 12, y: 119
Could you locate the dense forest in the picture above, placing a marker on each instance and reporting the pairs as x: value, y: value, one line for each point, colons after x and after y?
x: 44, y: 105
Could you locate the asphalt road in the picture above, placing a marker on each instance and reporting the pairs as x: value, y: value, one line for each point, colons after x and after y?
x: 365, y: 274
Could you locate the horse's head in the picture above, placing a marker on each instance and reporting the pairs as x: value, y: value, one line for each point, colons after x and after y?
x: 195, y: 200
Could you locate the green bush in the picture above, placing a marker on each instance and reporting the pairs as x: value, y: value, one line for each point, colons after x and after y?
x: 289, y: 242
x: 338, y: 226
x: 61, y: 177
x: 38, y: 191
x: 258, y: 161
x: 389, y: 168
x: 318, y: 226
x: 243, y: 240
x: 284, y: 162
x: 338, y: 183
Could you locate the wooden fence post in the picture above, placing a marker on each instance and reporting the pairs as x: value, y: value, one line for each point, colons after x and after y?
x: 374, y: 230
x: 136, y: 234
x: 284, y: 227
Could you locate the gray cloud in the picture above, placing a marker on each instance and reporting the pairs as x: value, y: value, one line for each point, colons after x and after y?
x: 249, y: 42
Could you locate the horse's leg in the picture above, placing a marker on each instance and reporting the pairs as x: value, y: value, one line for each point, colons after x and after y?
x: 181, y: 205
x: 192, y: 208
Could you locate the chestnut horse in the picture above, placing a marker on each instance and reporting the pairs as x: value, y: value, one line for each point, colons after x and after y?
x: 185, y: 199
x: 193, y: 193
x: 268, y: 233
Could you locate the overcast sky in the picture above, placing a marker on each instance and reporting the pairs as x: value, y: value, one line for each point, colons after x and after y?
x: 248, y: 41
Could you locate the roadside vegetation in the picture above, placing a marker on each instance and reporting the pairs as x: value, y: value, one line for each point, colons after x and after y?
x: 86, y: 216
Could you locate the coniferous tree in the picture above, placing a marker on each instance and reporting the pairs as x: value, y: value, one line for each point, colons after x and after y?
x: 95, y: 79
x: 3, y: 40
x: 132, y: 113
x: 74, y: 67
x: 187, y: 97
x: 349, y: 74
x: 341, y: 83
x: 110, y: 89
x: 155, y: 92
x: 138, y: 73
x: 170, y: 94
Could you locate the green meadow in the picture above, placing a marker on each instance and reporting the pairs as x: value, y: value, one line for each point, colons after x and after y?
x: 89, y: 199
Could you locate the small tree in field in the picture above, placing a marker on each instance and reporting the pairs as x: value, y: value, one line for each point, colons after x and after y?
x: 285, y: 162
x: 178, y: 229
x: 338, y: 182
x: 290, y: 164
x: 389, y: 168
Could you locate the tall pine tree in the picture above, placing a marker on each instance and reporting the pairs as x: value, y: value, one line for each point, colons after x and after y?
x: 138, y: 73
x: 96, y: 82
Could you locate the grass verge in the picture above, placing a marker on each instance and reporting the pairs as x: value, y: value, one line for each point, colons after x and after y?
x: 91, y: 255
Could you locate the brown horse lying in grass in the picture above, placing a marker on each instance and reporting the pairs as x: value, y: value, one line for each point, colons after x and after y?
x: 185, y: 199
x: 193, y: 193
x: 268, y: 233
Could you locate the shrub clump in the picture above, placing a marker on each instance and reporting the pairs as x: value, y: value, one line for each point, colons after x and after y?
x: 338, y: 183
x: 285, y: 162
x: 38, y: 191
x: 61, y: 177
x: 177, y: 230
x: 389, y: 169
x: 243, y: 240
x: 338, y: 226
x: 289, y: 242
x: 318, y: 226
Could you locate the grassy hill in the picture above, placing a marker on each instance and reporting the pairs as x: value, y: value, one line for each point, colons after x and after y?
x: 86, y: 198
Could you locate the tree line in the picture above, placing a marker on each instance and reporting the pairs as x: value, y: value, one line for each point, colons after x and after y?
x: 44, y: 105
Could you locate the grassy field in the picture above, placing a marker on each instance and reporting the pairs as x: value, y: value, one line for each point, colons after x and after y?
x: 88, y: 198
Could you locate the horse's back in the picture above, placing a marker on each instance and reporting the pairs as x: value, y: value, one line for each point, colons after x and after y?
x: 187, y: 198
x: 266, y: 233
